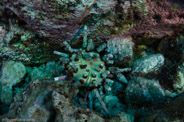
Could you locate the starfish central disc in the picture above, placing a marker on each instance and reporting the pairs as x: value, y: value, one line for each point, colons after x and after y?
x: 89, y: 69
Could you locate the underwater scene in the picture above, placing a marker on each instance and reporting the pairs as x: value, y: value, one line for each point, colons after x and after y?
x: 91, y: 61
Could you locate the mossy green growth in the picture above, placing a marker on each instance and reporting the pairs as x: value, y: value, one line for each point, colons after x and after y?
x: 175, y: 7
x: 120, y: 26
x: 179, y: 84
x: 140, y: 5
x: 62, y: 8
x: 33, y: 14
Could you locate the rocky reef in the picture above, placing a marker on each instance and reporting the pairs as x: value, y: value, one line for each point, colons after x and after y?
x: 91, y: 60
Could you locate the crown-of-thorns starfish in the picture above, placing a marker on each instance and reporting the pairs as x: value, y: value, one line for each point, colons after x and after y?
x: 86, y: 64
x: 88, y: 68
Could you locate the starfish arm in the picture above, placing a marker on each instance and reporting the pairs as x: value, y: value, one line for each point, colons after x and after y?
x: 90, y: 45
x: 85, y: 37
x: 101, y: 101
x: 61, y: 54
x: 101, y: 47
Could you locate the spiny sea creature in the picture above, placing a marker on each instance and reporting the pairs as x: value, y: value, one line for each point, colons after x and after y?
x: 88, y: 69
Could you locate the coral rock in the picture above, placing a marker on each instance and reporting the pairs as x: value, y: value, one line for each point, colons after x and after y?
x: 45, y: 100
x: 144, y: 92
x: 121, y: 49
x: 179, y: 82
x: 36, y: 112
x: 148, y: 64
x: 67, y: 112
x: 12, y: 74
x: 50, y: 18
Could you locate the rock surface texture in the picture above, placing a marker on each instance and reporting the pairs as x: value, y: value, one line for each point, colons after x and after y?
x: 148, y: 64
x: 12, y: 74
x: 144, y: 92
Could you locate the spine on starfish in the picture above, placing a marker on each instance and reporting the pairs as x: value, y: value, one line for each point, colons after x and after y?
x: 61, y: 54
x: 85, y: 37
x: 101, y: 47
x: 101, y: 101
x: 60, y: 78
